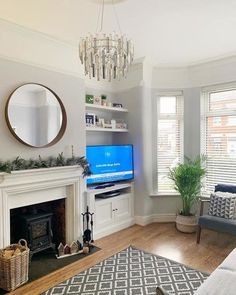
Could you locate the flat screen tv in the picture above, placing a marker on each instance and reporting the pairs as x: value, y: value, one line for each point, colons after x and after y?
x: 110, y: 163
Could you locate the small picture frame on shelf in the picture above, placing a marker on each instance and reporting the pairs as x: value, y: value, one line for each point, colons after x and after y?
x: 107, y: 124
x: 113, y: 124
x: 90, y: 119
x: 117, y: 105
x: 120, y: 124
x: 101, y: 122
x: 97, y: 100
x: 89, y: 98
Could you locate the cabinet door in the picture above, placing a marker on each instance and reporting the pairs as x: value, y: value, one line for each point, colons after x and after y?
x: 104, y: 214
x: 122, y: 207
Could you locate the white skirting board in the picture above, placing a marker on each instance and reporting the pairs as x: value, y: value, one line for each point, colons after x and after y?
x: 114, y: 229
x: 140, y: 220
x: 144, y: 220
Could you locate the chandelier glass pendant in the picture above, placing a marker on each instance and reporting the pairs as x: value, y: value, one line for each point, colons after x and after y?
x: 106, y: 56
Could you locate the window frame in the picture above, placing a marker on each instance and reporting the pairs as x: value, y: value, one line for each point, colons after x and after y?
x: 206, y: 113
x: 156, y: 116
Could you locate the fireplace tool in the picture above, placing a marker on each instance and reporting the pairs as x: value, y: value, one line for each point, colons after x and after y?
x: 88, y: 228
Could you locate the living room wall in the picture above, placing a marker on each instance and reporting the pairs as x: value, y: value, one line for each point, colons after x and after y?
x: 70, y: 89
x: 29, y: 56
x: 148, y: 206
x: 190, y: 80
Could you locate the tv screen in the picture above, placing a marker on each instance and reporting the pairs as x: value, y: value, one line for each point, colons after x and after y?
x: 110, y: 163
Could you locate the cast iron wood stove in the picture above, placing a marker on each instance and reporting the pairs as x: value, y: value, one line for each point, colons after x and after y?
x: 37, y: 230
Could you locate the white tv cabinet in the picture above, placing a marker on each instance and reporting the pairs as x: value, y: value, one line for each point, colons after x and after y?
x: 114, y: 213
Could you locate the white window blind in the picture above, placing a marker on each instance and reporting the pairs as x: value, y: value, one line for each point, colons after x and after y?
x: 218, y: 140
x: 169, y: 140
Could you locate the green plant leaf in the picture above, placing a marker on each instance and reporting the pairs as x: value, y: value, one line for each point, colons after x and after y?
x: 187, y: 181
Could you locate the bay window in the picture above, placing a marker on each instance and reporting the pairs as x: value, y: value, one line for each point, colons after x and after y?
x: 168, y: 148
x: 218, y: 139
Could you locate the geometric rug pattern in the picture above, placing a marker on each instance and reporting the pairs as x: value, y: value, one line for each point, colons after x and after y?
x: 132, y: 272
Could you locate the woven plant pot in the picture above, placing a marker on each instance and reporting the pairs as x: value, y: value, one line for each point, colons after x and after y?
x: 186, y: 224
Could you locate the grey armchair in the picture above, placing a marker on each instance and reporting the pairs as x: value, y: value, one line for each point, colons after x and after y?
x: 214, y: 222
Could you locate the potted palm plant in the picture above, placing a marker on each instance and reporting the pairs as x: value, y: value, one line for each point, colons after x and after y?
x: 187, y: 181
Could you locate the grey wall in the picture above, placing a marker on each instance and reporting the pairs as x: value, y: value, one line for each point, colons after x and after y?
x: 139, y: 135
x: 70, y: 89
x: 138, y: 100
x: 100, y: 138
x: 192, y: 122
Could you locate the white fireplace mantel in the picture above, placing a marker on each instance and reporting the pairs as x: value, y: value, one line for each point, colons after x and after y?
x: 29, y: 187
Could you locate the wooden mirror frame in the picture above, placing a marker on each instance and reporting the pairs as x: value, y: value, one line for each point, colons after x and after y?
x: 63, y: 125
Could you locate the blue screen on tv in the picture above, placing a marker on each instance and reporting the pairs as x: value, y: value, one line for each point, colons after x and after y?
x: 110, y: 163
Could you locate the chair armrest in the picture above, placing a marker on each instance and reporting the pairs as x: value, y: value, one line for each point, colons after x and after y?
x: 202, y: 202
x: 160, y: 291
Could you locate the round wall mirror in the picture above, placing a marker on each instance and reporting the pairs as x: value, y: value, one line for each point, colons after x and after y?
x: 35, y: 115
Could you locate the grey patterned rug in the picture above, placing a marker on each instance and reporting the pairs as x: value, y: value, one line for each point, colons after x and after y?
x: 132, y: 272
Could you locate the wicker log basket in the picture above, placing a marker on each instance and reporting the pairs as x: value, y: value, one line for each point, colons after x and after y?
x: 14, y: 265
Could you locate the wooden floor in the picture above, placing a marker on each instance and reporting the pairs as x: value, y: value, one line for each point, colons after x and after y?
x: 160, y: 239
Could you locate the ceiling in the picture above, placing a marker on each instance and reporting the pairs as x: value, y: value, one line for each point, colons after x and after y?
x: 166, y: 32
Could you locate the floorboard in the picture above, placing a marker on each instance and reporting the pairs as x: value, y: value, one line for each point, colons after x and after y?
x: 157, y: 238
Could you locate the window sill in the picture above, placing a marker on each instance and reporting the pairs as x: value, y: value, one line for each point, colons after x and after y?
x: 162, y: 194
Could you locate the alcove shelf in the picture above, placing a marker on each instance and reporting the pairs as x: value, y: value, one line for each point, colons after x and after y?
x: 106, y: 129
x: 89, y: 106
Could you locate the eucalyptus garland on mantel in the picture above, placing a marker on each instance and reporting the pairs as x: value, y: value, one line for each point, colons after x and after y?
x: 59, y: 161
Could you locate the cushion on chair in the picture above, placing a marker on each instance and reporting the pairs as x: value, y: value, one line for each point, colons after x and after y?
x: 229, y: 188
x: 218, y: 224
x: 222, y: 204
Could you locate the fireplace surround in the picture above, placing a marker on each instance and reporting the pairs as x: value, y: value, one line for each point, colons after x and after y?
x: 29, y: 187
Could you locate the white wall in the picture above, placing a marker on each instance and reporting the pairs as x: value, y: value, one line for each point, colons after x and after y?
x: 32, y: 47
x: 210, y: 73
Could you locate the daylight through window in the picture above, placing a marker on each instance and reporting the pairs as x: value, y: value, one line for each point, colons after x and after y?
x: 219, y: 137
x: 169, y: 139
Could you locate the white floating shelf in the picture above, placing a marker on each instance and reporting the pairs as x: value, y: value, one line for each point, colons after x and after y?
x: 106, y: 129
x: 105, y: 108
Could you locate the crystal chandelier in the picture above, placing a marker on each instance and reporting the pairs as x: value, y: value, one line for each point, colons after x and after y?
x: 106, y: 56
